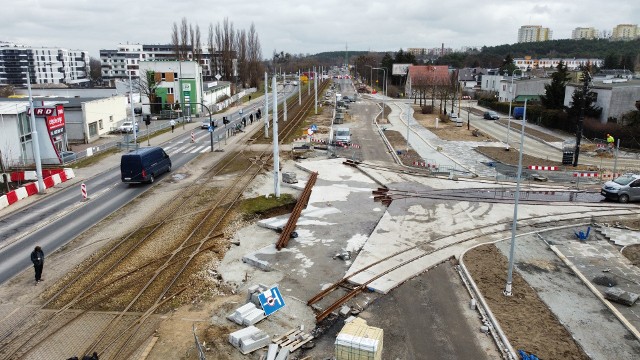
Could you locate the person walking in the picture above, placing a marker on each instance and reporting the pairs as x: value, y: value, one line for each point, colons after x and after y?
x: 610, y: 141
x: 173, y: 124
x: 37, y: 258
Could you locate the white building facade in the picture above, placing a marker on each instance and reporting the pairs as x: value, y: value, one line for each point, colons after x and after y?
x: 528, y: 63
x: 625, y: 32
x: 584, y: 33
x: 125, y: 60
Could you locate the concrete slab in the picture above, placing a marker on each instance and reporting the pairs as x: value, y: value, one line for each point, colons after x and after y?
x: 593, y: 326
x: 621, y: 237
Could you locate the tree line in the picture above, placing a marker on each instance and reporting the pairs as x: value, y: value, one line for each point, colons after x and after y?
x: 236, y: 54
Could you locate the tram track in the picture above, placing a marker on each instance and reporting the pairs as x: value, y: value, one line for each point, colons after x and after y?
x: 146, y: 284
x: 493, y: 231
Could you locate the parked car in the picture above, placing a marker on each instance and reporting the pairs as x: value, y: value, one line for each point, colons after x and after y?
x: 67, y: 156
x: 623, y: 189
x: 491, y: 115
x: 455, y: 119
x: 127, y: 127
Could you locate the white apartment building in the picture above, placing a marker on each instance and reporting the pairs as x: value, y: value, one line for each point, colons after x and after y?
x: 528, y: 63
x: 625, y: 32
x: 534, y: 33
x: 118, y: 64
x: 45, y: 65
x: 584, y: 33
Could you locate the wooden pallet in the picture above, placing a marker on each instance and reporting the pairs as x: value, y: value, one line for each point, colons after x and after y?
x: 294, y: 339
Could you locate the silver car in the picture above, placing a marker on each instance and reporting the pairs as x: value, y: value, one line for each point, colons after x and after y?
x: 623, y: 189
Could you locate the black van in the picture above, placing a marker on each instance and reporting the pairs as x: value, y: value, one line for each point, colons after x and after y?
x: 144, y: 164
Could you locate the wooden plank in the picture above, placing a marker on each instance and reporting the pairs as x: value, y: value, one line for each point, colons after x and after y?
x: 147, y: 350
x: 284, y: 335
x: 299, y: 344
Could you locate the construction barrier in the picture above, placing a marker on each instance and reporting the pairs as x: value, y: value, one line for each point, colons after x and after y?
x: 425, y: 164
x: 83, y: 190
x: 585, y: 174
x: 54, y: 177
x: 544, y: 168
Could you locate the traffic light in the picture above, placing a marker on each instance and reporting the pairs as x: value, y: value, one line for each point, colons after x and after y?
x: 147, y: 120
x: 225, y: 120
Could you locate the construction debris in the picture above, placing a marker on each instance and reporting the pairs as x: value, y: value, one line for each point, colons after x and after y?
x: 620, y: 296
x: 293, y: 339
x: 249, y: 339
x: 289, y: 178
x: 248, y: 314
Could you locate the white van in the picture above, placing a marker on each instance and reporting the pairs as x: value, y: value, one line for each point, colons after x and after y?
x: 343, y: 136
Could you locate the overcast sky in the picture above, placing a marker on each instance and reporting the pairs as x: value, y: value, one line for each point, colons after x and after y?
x: 296, y: 26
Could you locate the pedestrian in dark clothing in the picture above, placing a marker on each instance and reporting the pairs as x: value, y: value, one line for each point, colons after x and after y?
x: 244, y: 122
x: 251, y: 118
x: 37, y: 258
x: 91, y: 357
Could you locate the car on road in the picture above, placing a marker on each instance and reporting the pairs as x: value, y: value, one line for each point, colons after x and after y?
x: 491, y: 115
x: 127, y: 127
x: 346, y: 99
x: 624, y: 188
x: 205, y: 125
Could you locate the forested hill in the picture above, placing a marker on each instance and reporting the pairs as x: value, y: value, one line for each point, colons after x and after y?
x: 567, y: 49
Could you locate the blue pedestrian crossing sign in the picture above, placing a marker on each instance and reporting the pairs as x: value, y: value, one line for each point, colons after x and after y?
x: 210, y: 128
x: 271, y: 300
x: 314, y: 128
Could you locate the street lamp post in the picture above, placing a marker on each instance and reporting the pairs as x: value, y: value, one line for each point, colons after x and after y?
x: 507, y: 290
x: 510, y: 101
x: 384, y: 90
x: 34, y: 137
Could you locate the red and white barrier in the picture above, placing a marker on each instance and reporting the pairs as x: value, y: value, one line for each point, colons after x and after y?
x: 610, y: 176
x: 544, y: 168
x: 83, y: 190
x: 53, y: 177
x: 425, y: 164
x: 585, y: 174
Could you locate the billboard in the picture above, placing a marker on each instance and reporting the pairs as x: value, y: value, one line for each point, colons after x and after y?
x: 55, y: 123
x: 400, y: 69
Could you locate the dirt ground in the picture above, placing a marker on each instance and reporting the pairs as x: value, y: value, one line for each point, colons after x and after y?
x: 447, y: 130
x: 511, y: 158
x: 525, y: 318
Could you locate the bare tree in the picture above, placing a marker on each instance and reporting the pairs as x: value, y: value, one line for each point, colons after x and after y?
x: 147, y: 85
x: 175, y: 40
x: 225, y: 43
x: 254, y: 56
x: 198, y: 45
x: 184, y: 37
x: 241, y: 55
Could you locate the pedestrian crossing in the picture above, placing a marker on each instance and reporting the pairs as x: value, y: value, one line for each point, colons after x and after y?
x: 201, y: 145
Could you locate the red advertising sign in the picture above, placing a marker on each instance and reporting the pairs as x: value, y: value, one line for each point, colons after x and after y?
x: 55, y: 123
x: 43, y: 111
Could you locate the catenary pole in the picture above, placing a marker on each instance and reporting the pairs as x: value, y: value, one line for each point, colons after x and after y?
x: 276, y: 159
x: 266, y: 105
x: 133, y: 115
x: 507, y: 290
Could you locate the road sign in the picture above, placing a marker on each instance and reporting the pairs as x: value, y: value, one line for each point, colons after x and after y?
x: 314, y: 127
x: 210, y: 128
x: 271, y: 301
x: 218, y: 77
x: 309, y: 132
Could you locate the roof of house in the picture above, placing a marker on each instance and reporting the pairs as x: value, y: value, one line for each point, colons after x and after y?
x: 438, y: 74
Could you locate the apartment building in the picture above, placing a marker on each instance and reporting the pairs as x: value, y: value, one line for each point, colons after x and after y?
x: 118, y: 64
x: 534, y: 33
x: 529, y: 63
x: 625, y: 32
x: 46, y: 65
x: 584, y: 33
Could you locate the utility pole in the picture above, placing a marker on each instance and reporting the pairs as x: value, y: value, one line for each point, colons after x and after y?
x: 299, y: 89
x: 266, y: 106
x: 34, y: 138
x: 133, y: 115
x: 315, y: 88
x: 276, y: 159
x: 585, y: 92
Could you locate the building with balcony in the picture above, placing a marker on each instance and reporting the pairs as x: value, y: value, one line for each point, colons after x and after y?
x: 118, y: 64
x: 45, y: 65
x: 534, y: 33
